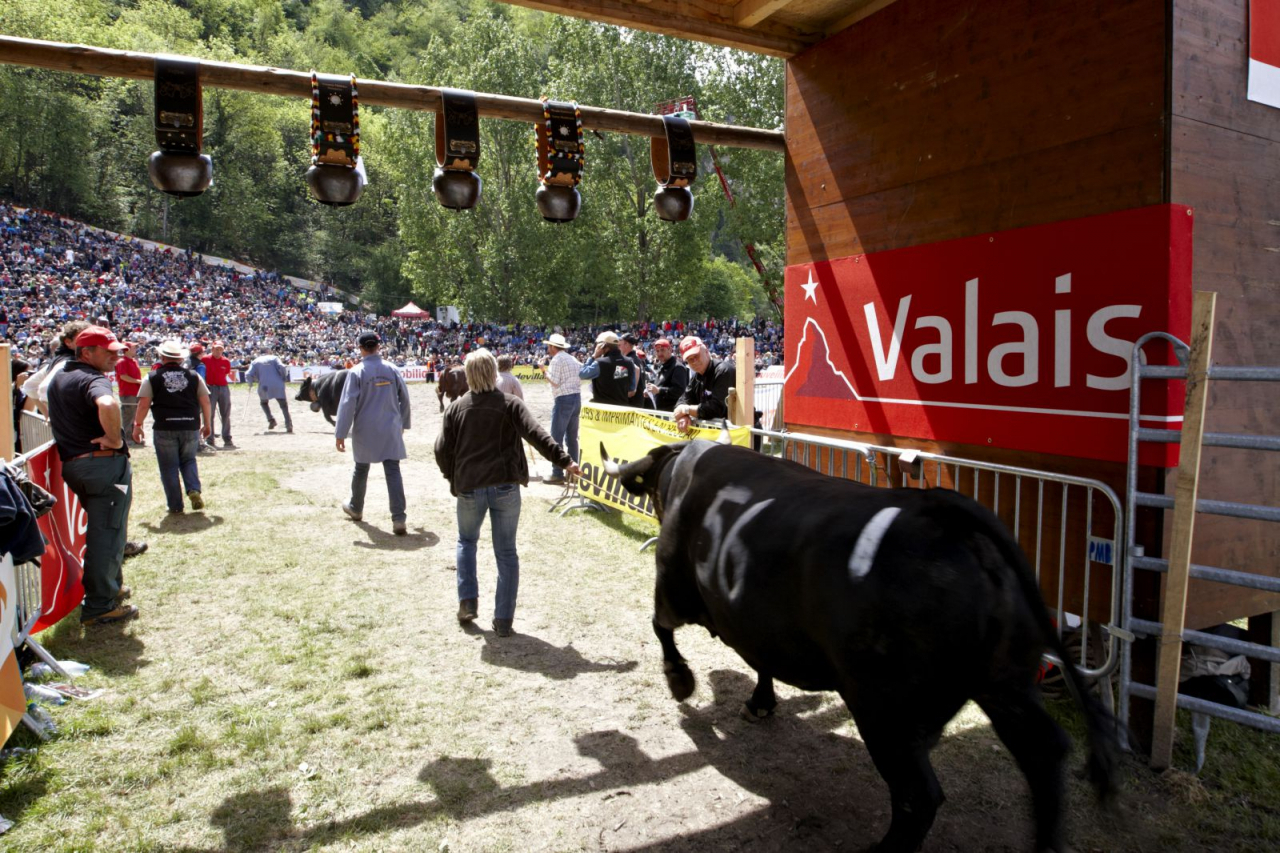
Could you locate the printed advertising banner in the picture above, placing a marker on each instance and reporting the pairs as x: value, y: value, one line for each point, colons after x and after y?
x: 1264, y: 52
x: 1019, y: 339
x: 627, y: 435
x: 62, y: 566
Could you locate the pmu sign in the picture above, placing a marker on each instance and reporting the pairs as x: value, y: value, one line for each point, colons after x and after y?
x: 1017, y: 339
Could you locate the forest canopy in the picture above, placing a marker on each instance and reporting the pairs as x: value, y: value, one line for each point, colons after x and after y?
x: 78, y: 145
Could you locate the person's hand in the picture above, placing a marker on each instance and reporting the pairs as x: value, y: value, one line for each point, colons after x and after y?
x: 574, y: 471
x: 108, y: 443
x: 136, y: 433
x: 206, y: 431
x: 684, y: 419
x: 651, y: 389
x: 341, y: 444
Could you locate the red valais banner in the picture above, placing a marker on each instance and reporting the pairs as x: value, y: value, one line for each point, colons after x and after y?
x: 62, y: 566
x: 1018, y: 339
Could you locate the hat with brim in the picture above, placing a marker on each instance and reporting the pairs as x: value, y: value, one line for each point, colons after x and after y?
x: 172, y: 349
x: 606, y: 338
x: 97, y: 336
x: 557, y: 340
x: 689, y: 344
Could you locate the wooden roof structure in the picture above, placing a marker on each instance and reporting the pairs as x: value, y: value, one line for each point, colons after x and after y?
x: 775, y: 27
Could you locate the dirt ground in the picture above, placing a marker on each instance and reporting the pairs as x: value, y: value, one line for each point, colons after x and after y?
x: 298, y: 681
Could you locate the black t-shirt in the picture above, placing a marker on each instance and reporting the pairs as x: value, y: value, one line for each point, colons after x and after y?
x: 73, y: 414
x: 709, y: 391
x: 614, y: 381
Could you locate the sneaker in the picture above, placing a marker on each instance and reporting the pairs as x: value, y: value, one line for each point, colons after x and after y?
x: 466, y: 610
x: 124, y: 594
x: 120, y: 614
x: 177, y: 511
x: 197, y: 501
x: 555, y: 481
x: 502, y: 627
x: 351, y: 513
x: 133, y: 549
x: 400, y: 528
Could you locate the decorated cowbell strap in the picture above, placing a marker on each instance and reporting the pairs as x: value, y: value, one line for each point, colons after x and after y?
x: 560, y: 148
x: 675, y: 160
x: 179, y: 107
x: 335, y: 120
x: 457, y: 131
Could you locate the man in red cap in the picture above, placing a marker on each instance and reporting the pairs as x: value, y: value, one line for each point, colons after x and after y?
x: 85, y: 418
x: 672, y: 378
x: 129, y: 378
x: 707, y: 396
x: 217, y: 376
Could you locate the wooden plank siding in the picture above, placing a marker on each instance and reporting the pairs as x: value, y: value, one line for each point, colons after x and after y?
x: 1225, y: 162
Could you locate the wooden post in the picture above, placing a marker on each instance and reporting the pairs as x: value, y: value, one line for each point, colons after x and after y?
x: 6, y: 404
x: 744, y: 413
x: 1174, y: 608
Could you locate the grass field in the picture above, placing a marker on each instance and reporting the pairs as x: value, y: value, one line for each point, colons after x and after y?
x: 299, y: 682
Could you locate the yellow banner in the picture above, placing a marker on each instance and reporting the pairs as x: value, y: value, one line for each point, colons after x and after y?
x: 528, y: 373
x: 627, y: 435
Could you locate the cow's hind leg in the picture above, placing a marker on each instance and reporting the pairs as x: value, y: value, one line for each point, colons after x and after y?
x: 762, y: 701
x: 1039, y: 746
x: 679, y: 677
x: 901, y: 754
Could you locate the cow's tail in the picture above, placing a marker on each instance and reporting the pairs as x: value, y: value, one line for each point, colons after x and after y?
x: 1101, y: 725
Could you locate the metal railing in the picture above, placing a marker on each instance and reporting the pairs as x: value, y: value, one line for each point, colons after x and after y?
x: 1135, y: 555
x: 1039, y: 507
x: 35, y: 431
x: 769, y: 400
x: 30, y: 604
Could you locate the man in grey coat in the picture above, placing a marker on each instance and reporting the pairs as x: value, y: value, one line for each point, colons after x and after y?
x: 271, y: 375
x: 374, y: 410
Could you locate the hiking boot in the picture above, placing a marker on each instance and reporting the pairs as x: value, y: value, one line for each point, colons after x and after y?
x: 271, y: 424
x: 124, y: 594
x: 197, y: 501
x: 466, y: 610
x: 351, y: 513
x: 502, y: 627
x: 133, y: 549
x: 121, y: 614
x: 400, y: 528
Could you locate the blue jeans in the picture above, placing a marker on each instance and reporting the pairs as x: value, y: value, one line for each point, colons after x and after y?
x: 502, y: 505
x: 564, y: 426
x: 176, y: 453
x: 395, y: 487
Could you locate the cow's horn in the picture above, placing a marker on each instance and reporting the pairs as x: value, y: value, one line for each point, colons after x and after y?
x: 610, y: 467
x: 726, y: 437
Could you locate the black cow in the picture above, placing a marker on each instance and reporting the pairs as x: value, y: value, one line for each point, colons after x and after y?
x: 907, y: 602
x: 453, y: 381
x: 324, y: 393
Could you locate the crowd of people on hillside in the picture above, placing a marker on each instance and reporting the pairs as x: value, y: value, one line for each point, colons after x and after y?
x: 54, y: 270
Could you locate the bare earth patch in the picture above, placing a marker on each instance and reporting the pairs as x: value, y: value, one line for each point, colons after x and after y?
x: 298, y: 681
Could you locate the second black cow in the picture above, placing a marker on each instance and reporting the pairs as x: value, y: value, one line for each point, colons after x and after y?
x: 907, y: 602
x: 324, y: 393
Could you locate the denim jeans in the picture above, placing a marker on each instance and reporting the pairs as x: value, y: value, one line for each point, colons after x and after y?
x: 220, y: 400
x: 176, y: 453
x: 395, y: 487
x: 502, y: 505
x: 104, y: 486
x: 284, y: 408
x: 564, y: 426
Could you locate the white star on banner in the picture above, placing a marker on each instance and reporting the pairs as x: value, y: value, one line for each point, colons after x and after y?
x: 808, y: 288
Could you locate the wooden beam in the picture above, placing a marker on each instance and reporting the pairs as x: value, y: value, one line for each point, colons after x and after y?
x: 867, y: 10
x: 743, y: 414
x: 1174, y: 608
x: 699, y: 21
x: 748, y: 13
x: 104, y: 62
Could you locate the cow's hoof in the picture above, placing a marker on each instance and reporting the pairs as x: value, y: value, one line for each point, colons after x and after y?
x: 679, y: 680
x: 753, y: 714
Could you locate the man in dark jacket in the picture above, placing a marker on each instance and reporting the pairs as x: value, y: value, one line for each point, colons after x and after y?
x: 179, y: 401
x: 627, y: 346
x: 710, y: 379
x: 672, y: 379
x: 610, y: 372
x: 479, y: 452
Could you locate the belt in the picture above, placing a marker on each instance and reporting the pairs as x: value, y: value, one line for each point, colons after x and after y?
x: 97, y: 453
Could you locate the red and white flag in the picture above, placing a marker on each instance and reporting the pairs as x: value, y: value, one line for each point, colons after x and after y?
x: 1264, y: 52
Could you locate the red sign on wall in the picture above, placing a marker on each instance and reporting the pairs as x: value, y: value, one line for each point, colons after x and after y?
x: 1018, y: 339
x: 62, y: 566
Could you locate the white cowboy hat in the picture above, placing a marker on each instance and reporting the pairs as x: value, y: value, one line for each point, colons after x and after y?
x: 172, y: 349
x: 557, y: 340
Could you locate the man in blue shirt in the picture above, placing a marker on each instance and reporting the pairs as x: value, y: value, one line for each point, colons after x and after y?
x: 271, y: 375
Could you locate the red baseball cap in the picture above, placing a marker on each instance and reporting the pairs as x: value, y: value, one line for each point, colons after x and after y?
x: 196, y: 349
x: 218, y: 345
x: 96, y: 336
x: 688, y: 344
x: 662, y: 342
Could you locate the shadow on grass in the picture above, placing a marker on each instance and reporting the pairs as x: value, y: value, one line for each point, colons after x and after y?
x: 752, y: 755
x: 112, y: 648
x: 629, y: 526
x: 527, y: 653
x: 383, y: 540
x: 181, y: 523
x: 25, y: 781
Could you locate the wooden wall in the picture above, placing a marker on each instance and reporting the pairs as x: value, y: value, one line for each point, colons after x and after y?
x: 1225, y: 162
x: 937, y: 119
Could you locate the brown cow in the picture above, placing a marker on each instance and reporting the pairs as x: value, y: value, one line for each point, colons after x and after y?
x: 453, y: 381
